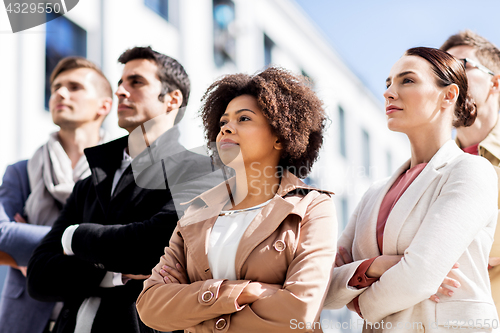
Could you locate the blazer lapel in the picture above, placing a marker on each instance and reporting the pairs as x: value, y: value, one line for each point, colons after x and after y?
x: 404, y: 206
x: 125, y: 180
x: 103, y: 169
x: 368, y: 238
x: 413, y: 193
x: 102, y: 183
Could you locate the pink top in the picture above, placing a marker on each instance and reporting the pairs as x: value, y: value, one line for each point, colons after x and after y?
x: 360, y: 279
x: 473, y: 150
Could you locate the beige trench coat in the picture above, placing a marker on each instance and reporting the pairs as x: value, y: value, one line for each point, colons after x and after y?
x: 291, y: 242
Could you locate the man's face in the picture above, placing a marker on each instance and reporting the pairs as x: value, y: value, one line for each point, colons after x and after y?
x: 138, y: 91
x: 74, y: 98
x: 479, y: 81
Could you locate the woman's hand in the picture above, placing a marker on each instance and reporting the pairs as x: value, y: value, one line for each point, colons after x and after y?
x: 381, y: 264
x: 448, y: 281
x: 256, y: 290
x: 343, y: 257
x: 351, y: 307
x: 174, y: 275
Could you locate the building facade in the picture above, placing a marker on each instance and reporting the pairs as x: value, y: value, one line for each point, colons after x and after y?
x: 210, y: 38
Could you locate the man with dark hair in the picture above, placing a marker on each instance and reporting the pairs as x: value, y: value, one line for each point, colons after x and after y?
x: 117, y: 222
x: 34, y: 191
x: 482, y: 64
x: 170, y: 73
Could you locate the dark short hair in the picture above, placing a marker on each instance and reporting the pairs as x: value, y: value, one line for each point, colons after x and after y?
x: 291, y: 107
x: 170, y: 72
x: 449, y: 70
x: 69, y: 63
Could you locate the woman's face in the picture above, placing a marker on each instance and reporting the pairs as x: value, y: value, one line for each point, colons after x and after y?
x: 413, y: 99
x: 245, y: 129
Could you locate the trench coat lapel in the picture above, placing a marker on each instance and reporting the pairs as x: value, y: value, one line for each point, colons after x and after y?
x: 261, y: 227
x: 198, y: 221
x: 200, y: 217
x: 270, y: 218
x: 413, y: 193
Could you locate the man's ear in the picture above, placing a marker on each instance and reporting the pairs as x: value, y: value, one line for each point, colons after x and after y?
x: 495, y: 84
x: 450, y: 95
x: 175, y: 100
x: 105, y: 106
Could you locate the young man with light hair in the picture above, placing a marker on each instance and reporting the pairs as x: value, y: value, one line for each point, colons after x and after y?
x: 34, y: 191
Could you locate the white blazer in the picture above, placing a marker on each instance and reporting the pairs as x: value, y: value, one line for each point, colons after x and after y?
x: 447, y: 215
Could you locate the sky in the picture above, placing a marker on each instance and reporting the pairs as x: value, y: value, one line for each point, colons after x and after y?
x: 371, y: 35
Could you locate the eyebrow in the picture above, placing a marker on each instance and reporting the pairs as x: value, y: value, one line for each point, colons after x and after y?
x: 59, y: 84
x: 399, y: 75
x: 239, y: 111
x: 131, y: 77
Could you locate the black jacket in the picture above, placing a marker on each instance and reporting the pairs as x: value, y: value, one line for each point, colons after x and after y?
x: 125, y: 232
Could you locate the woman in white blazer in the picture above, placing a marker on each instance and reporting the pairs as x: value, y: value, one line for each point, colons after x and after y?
x: 438, y: 212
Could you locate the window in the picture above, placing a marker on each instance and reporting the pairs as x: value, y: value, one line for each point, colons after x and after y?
x: 342, y: 141
x: 366, y: 152
x: 224, y: 41
x: 268, y: 50
x: 63, y: 38
x: 160, y: 7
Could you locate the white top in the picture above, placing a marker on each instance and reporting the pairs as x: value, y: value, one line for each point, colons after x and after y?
x: 225, y: 238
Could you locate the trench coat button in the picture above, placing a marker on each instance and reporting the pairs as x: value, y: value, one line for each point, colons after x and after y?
x: 207, y: 296
x: 279, y: 245
x: 220, y: 324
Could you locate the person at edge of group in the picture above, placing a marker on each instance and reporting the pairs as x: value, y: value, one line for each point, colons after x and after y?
x: 34, y: 190
x: 482, y: 65
x: 414, y: 254
x: 254, y: 254
x: 111, y: 230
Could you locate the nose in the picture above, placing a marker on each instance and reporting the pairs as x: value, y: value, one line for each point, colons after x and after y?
x: 227, y: 129
x: 122, y: 92
x: 62, y: 92
x: 390, y: 94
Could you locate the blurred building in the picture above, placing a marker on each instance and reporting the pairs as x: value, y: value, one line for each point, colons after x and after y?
x: 210, y: 38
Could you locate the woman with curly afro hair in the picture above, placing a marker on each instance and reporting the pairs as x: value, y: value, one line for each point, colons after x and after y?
x: 253, y: 254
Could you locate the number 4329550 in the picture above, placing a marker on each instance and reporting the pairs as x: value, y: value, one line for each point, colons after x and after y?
x: 26, y: 8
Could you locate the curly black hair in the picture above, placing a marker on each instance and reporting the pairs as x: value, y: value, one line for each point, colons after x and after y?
x: 295, y: 113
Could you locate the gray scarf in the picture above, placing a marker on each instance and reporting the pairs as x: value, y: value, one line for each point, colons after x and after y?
x: 52, y: 178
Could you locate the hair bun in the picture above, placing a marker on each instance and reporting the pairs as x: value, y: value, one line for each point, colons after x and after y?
x: 465, y: 112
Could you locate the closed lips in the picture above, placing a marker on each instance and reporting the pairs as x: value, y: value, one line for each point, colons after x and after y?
x: 227, y: 143
x: 391, y: 109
